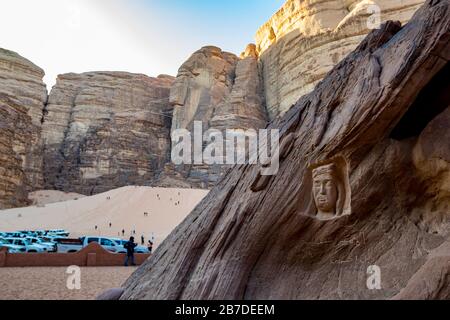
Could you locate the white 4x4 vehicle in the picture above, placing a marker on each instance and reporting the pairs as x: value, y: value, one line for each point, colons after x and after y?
x: 11, y: 247
x: 51, y: 246
x: 57, y: 233
x: 75, y: 245
x: 24, y: 244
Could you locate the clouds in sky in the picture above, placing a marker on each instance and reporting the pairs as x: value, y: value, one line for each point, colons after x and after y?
x: 142, y: 36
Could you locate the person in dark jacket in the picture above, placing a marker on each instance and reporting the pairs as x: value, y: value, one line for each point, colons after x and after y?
x: 150, y: 246
x: 130, y: 246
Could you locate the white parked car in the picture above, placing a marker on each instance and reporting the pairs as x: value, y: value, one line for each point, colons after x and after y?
x: 51, y: 246
x: 11, y: 247
x: 57, y: 233
x: 24, y: 244
x: 75, y: 245
x: 14, y: 235
x: 51, y: 238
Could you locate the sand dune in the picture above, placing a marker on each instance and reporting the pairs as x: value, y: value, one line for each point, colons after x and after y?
x: 124, y: 208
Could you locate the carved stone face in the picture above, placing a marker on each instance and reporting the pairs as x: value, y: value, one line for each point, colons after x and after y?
x: 325, y: 192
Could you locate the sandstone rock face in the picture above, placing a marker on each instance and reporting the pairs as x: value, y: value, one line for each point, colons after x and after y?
x: 223, y: 92
x: 111, y: 295
x: 203, y: 82
x: 104, y: 130
x: 22, y: 98
x: 371, y: 139
x: 304, y: 40
x: 243, y: 108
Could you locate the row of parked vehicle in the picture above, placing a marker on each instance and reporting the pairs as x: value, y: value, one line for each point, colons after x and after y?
x: 114, y: 245
x: 44, y: 241
x: 32, y: 241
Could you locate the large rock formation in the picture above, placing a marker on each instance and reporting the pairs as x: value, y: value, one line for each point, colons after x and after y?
x: 362, y: 187
x: 22, y: 98
x: 222, y: 92
x: 203, y: 82
x: 104, y: 130
x: 304, y: 40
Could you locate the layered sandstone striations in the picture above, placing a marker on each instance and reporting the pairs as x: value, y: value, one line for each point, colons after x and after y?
x: 103, y: 130
x: 22, y: 98
x: 362, y: 189
x: 304, y: 40
x: 222, y: 92
x: 203, y: 82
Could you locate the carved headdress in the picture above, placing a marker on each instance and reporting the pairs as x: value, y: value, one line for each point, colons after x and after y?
x: 329, y: 169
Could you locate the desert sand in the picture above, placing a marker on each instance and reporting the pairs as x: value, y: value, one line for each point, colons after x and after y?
x: 124, y: 208
x: 51, y: 283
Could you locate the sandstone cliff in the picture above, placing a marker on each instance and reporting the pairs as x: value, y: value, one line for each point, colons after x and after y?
x: 304, y: 40
x: 223, y: 92
x: 374, y: 132
x: 103, y: 130
x: 22, y: 98
x: 220, y: 90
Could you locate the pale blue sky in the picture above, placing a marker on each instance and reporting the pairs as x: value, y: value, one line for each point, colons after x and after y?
x: 144, y: 36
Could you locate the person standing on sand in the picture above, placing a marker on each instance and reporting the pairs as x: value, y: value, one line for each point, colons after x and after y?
x: 142, y: 240
x: 123, y: 232
x: 150, y: 246
x: 130, y: 245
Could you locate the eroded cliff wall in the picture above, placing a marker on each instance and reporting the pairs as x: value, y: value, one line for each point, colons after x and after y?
x: 223, y: 92
x: 304, y: 40
x: 374, y: 133
x: 23, y: 95
x: 103, y: 130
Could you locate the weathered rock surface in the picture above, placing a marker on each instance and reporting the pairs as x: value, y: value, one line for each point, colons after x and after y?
x: 223, y: 92
x: 304, y: 40
x: 203, y: 82
x: 220, y: 90
x: 243, y: 108
x: 22, y: 98
x: 111, y: 295
x: 104, y: 130
x: 371, y: 130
